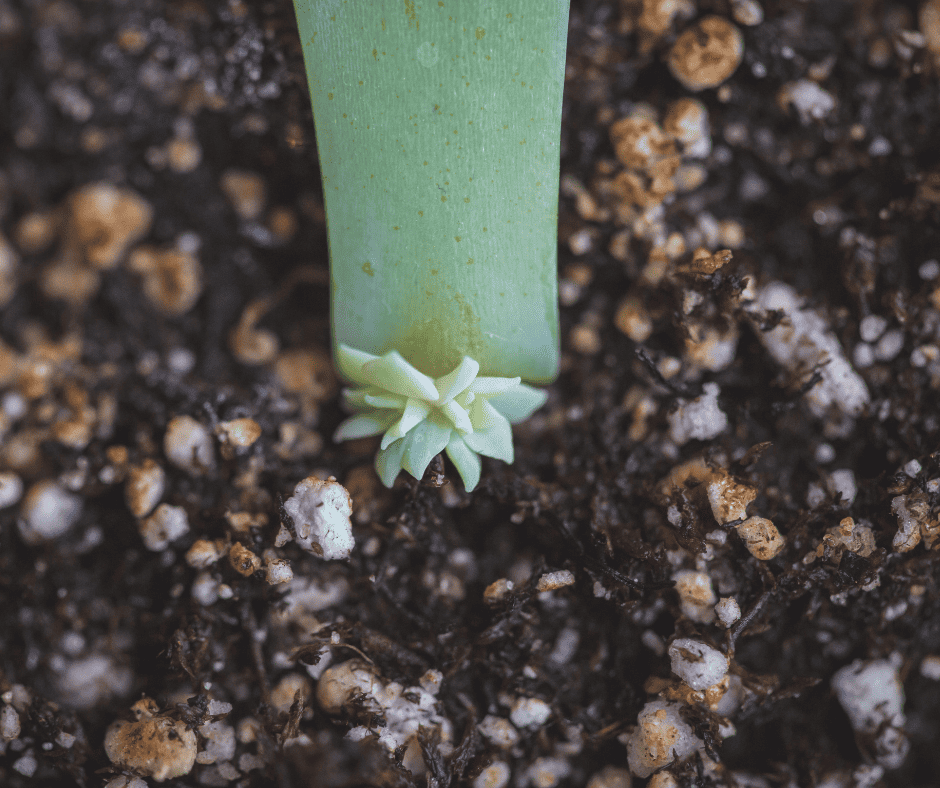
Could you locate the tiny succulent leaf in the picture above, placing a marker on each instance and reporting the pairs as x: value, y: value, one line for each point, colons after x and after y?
x: 487, y: 387
x: 364, y: 425
x: 451, y: 384
x: 419, y: 417
x: 388, y: 461
x: 350, y: 362
x: 519, y: 403
x: 426, y: 440
x: 494, y: 441
x: 414, y: 413
x: 466, y: 461
x: 385, y: 401
x: 392, y: 373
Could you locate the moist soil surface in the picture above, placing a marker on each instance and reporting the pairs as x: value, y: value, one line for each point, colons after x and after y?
x: 163, y: 255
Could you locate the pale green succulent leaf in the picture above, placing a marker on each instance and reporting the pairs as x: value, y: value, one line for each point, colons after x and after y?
x: 422, y: 444
x: 356, y: 399
x: 394, y: 374
x: 388, y: 462
x: 519, y: 403
x: 466, y: 461
x: 487, y: 387
x: 482, y: 414
x: 351, y: 361
x: 451, y: 384
x: 414, y: 413
x: 457, y: 416
x: 494, y: 441
x: 384, y: 400
x: 364, y: 425
x: 465, y: 398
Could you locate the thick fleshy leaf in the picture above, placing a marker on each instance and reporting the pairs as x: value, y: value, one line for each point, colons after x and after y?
x: 465, y: 398
x: 351, y: 361
x: 483, y: 415
x: 458, y: 416
x: 364, y: 425
x: 414, y: 413
x: 451, y: 384
x: 487, y: 387
x: 423, y: 442
x: 384, y: 400
x: 519, y: 403
x: 355, y: 399
x: 394, y: 374
x: 465, y: 460
x: 495, y: 441
x: 388, y: 462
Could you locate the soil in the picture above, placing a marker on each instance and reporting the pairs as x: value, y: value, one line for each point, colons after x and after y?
x: 209, y: 298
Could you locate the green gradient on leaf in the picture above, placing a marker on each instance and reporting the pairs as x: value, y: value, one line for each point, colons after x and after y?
x: 438, y: 134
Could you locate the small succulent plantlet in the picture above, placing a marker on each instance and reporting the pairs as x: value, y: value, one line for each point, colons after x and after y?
x: 438, y: 130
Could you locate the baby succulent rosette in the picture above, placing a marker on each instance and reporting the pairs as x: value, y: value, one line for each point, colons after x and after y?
x: 419, y: 416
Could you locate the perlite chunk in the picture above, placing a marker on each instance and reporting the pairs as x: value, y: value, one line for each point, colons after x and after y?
x: 321, y: 511
x: 660, y: 738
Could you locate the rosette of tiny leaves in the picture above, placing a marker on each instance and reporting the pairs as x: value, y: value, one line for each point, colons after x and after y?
x: 418, y: 416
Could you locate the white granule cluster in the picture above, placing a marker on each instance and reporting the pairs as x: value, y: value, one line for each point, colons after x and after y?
x: 696, y: 595
x: 697, y: 664
x: 909, y: 527
x: 167, y: 524
x: 913, y: 468
x: 321, y: 511
x: 84, y: 683
x: 11, y: 489
x: 842, y: 481
x: 660, y: 738
x: 218, y: 743
x: 277, y: 571
x: 728, y: 611
x: 546, y: 772
x: 9, y: 723
x: 404, y: 710
x: 496, y: 775
x: 551, y: 581
x: 872, y: 327
x: 698, y: 419
x: 802, y: 342
x: 810, y: 100
x: 529, y: 713
x: 930, y: 667
x: 873, y: 698
x: 499, y: 731
x: 48, y: 512
x: 188, y: 445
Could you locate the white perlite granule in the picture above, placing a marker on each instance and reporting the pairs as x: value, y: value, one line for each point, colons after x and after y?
x: 321, y: 511
x: 698, y: 419
x: 48, y: 512
x: 529, y: 713
x: 11, y: 489
x: 697, y: 664
x: 803, y: 342
x: 661, y: 737
x: 728, y: 610
x: 873, y: 698
x: 9, y: 723
x: 167, y: 524
x: 189, y: 445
